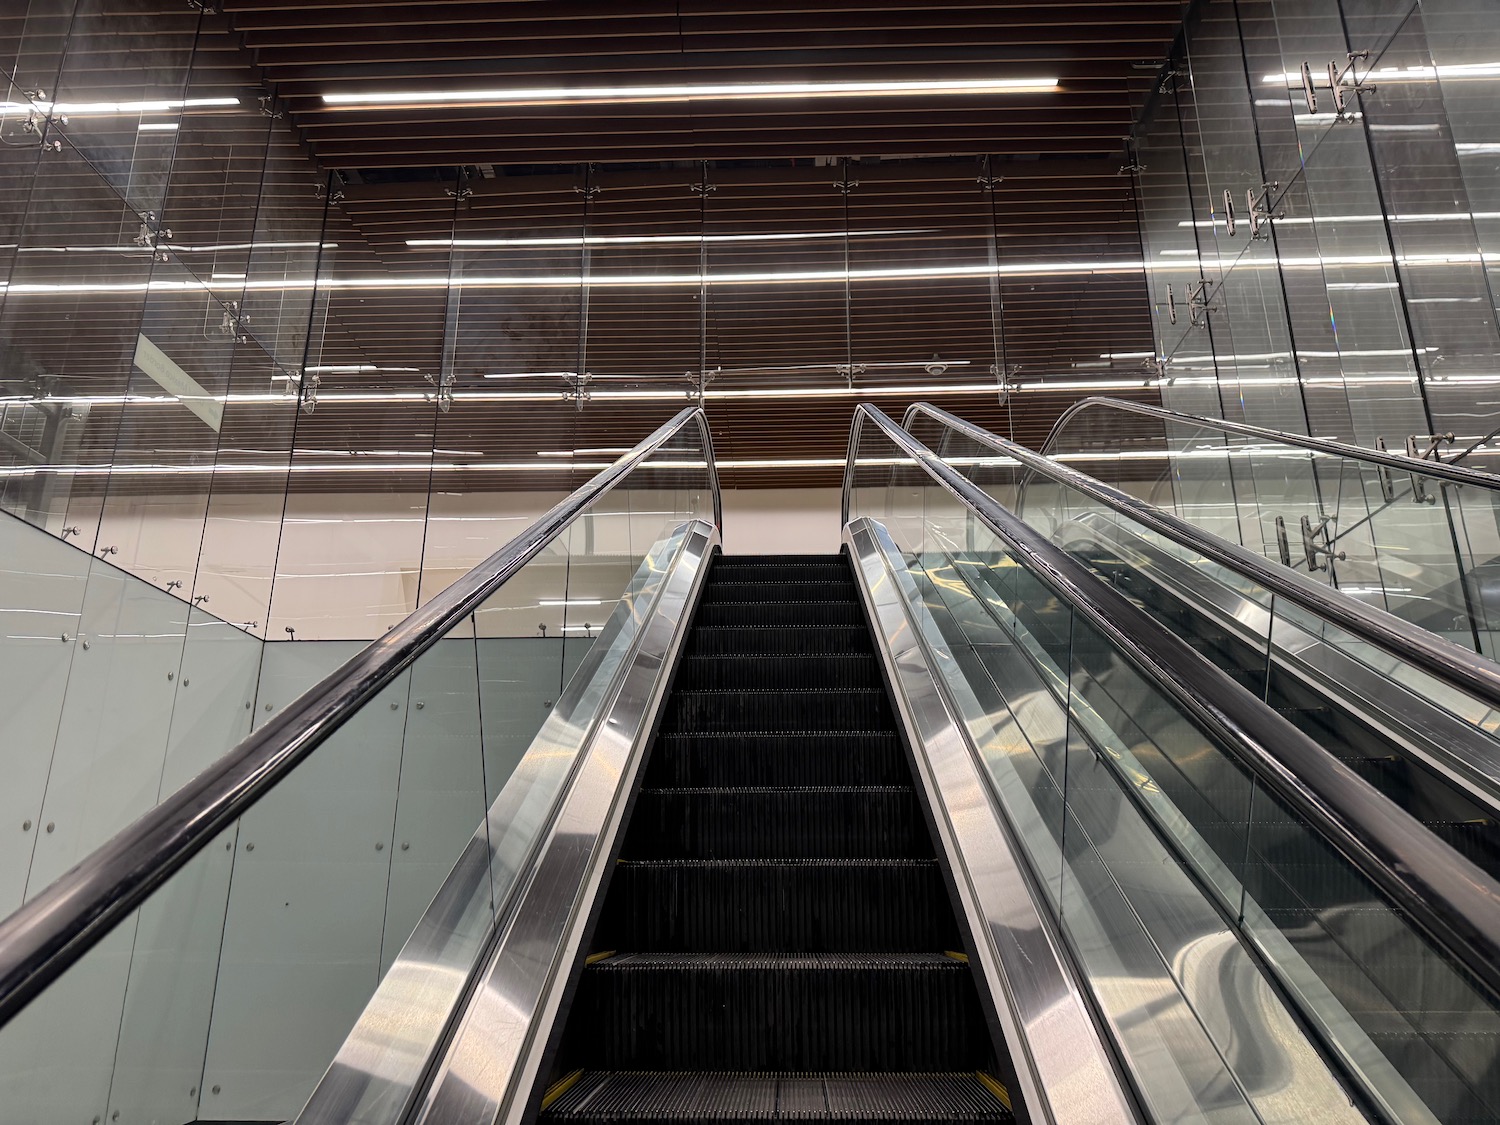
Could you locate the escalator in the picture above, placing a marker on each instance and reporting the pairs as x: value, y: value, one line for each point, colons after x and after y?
x: 1409, y: 713
x: 1347, y: 719
x: 748, y: 963
x: 943, y: 828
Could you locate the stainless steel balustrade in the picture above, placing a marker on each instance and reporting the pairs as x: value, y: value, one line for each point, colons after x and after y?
x: 1418, y: 535
x: 1455, y: 906
x: 1464, y: 686
x: 57, y: 927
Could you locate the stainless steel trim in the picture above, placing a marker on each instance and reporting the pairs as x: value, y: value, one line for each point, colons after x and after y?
x: 1443, y: 470
x: 52, y: 931
x: 1444, y: 893
x: 1459, y: 748
x: 1427, y: 651
x: 381, y: 1065
x: 1238, y: 996
x: 491, y: 1068
x: 1064, y: 1070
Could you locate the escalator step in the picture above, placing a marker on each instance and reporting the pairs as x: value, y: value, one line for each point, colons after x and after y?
x: 777, y: 824
x: 765, y: 639
x: 717, y: 592
x: 856, y: 758
x: 793, y: 906
x: 778, y: 1012
x: 735, y: 570
x: 779, y: 560
x: 830, y: 672
x: 776, y: 711
x: 785, y: 614
x: 729, y: 1097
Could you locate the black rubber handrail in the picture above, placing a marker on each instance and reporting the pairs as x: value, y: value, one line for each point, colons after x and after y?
x: 1441, y: 470
x: 1453, y: 663
x: 1451, y: 899
x: 53, y: 930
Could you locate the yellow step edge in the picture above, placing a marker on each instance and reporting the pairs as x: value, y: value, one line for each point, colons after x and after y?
x: 956, y: 956
x: 1002, y: 1095
x: 600, y: 956
x: 563, y: 1085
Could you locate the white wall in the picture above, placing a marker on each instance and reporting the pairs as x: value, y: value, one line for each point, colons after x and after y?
x: 782, y: 521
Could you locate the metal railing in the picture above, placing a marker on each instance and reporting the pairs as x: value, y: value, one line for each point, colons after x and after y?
x: 1444, y: 894
x: 52, y: 931
x: 1423, y: 650
x: 1441, y: 470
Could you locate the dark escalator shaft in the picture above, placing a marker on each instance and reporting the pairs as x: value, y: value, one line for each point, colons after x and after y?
x: 776, y: 939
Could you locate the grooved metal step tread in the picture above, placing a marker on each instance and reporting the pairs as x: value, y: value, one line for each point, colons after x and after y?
x: 712, y: 1011
x: 801, y: 862
x: 776, y: 710
x: 778, y: 758
x: 733, y: 1096
x: 722, y: 822
x: 800, y: 962
x: 780, y: 672
x: 760, y: 591
x: 794, y: 614
x: 764, y: 640
x: 786, y: 905
x: 699, y: 790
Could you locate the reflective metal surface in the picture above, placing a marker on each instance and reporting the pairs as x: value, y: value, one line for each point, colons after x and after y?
x: 55, y: 928
x: 1461, y: 749
x: 1062, y: 1066
x: 492, y: 1063
x: 1440, y: 657
x: 381, y: 1063
x: 1191, y: 900
x: 1432, y: 883
x: 1440, y: 470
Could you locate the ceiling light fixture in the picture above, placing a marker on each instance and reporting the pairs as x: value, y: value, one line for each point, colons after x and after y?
x: 586, y: 95
x: 650, y: 239
x: 82, y: 109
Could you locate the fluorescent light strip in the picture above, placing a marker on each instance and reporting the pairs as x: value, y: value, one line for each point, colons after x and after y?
x: 607, y: 281
x: 156, y: 127
x: 1416, y: 217
x: 1401, y: 74
x: 174, y: 247
x: 419, y: 99
x: 646, y: 239
x: 84, y: 109
x: 1470, y: 148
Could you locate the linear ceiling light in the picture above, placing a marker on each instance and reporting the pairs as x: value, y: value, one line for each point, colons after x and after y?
x: 82, y: 109
x: 649, y: 239
x: 1402, y: 74
x: 586, y: 95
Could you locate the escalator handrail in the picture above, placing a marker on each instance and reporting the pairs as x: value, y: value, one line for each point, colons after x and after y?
x: 1442, y: 470
x: 1445, y: 894
x: 52, y: 931
x: 1459, y: 666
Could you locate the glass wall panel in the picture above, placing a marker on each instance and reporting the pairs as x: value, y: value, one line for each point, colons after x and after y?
x: 920, y: 248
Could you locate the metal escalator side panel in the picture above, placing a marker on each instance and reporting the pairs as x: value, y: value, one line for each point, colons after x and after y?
x: 1134, y: 741
x: 490, y: 1067
x: 1065, y: 1073
x: 380, y: 1069
x: 1457, y: 746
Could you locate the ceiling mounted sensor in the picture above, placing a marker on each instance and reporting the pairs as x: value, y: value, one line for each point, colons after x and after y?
x: 596, y: 95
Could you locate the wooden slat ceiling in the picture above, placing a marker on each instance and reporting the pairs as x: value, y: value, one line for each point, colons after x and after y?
x: 1058, y: 199
x: 351, y: 46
